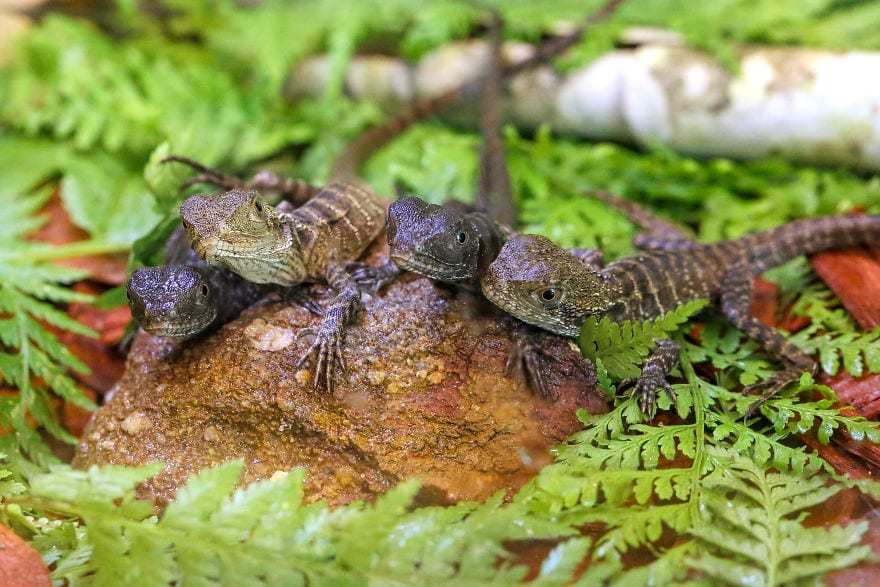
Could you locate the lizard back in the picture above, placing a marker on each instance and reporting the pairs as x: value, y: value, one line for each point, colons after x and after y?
x: 650, y: 284
x: 337, y: 225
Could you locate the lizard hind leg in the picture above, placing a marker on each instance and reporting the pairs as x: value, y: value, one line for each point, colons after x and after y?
x: 736, y: 296
x: 657, y: 233
x: 653, y: 376
x: 649, y: 241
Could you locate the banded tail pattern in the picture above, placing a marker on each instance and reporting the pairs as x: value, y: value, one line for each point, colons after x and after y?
x: 776, y: 246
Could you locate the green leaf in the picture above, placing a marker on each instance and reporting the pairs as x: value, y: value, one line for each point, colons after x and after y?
x: 622, y: 347
x: 100, y: 194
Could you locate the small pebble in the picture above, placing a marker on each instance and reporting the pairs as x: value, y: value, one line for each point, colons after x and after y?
x: 135, y: 422
x: 376, y: 377
x: 211, y: 434
x: 303, y: 376
x: 266, y: 337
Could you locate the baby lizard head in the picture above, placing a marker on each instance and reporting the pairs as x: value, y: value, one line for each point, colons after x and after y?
x: 238, y: 231
x: 172, y: 300
x: 435, y: 241
x: 542, y: 284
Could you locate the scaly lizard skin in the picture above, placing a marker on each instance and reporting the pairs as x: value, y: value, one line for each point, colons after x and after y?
x: 542, y: 284
x: 183, y: 301
x: 455, y: 245
x: 237, y: 231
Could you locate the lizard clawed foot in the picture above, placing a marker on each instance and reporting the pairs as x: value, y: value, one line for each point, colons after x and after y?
x: 206, y: 175
x: 773, y: 385
x: 328, y: 352
x: 528, y: 362
x: 302, y: 297
x: 370, y: 278
x: 646, y: 388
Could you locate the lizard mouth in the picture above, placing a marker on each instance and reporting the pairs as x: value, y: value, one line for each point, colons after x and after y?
x: 178, y: 328
x: 432, y: 267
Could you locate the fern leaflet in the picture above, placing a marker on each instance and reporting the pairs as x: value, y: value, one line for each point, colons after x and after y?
x: 752, y: 533
x: 622, y: 347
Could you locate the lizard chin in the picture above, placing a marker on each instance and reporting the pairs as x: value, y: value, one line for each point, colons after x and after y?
x: 176, y: 328
x: 432, y: 267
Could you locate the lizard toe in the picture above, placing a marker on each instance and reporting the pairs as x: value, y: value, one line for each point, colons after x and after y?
x: 646, y: 389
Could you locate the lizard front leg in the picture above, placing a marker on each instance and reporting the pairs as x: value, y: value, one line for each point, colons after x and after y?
x: 371, y: 278
x: 736, y: 297
x: 653, y: 376
x: 529, y: 361
x: 291, y: 189
x: 330, y: 334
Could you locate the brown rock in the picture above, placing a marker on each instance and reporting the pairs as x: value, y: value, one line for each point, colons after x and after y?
x: 425, y: 395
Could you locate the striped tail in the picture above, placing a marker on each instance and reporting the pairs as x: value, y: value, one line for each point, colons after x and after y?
x: 776, y: 246
x: 349, y: 161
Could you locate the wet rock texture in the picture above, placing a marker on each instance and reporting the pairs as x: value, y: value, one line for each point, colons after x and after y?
x: 425, y: 395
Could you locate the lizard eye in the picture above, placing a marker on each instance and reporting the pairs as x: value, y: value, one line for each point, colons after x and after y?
x: 259, y: 206
x: 204, y: 290
x: 461, y: 237
x: 549, y: 297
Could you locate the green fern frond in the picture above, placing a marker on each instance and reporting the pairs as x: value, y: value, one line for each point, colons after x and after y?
x: 623, y: 347
x: 729, y: 351
x: 264, y: 532
x: 29, y: 290
x: 796, y: 416
x: 857, y: 352
x: 751, y: 533
x: 765, y: 449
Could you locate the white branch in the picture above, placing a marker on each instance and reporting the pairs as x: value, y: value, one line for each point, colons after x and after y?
x: 806, y: 105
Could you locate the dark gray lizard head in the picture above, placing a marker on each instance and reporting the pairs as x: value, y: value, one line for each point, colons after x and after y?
x: 172, y: 300
x: 237, y: 231
x: 433, y: 240
x: 543, y: 284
